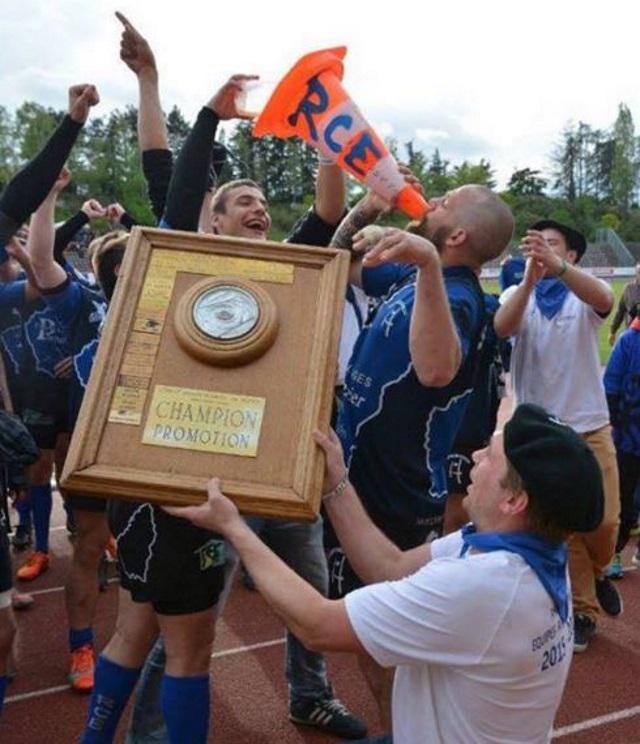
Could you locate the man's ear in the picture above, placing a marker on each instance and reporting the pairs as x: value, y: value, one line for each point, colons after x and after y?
x: 457, y: 237
x: 516, y: 504
x: 116, y: 269
x: 572, y: 256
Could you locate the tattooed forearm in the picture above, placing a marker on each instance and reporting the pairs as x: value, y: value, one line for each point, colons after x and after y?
x: 363, y: 214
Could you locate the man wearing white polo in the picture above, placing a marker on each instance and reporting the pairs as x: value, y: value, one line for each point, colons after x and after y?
x: 555, y: 315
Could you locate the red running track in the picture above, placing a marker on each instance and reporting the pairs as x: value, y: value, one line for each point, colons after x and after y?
x: 601, y: 704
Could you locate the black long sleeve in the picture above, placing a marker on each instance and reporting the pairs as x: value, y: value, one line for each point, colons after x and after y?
x: 27, y: 189
x: 65, y: 233
x: 157, y: 166
x: 127, y: 221
x: 190, y: 175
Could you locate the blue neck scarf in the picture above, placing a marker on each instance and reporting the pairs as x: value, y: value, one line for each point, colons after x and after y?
x: 547, y: 559
x: 550, y: 296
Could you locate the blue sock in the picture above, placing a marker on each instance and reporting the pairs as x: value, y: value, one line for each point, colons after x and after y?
x: 42, y: 501
x: 185, y: 705
x: 3, y: 689
x: 23, y: 507
x: 113, y: 687
x: 78, y: 638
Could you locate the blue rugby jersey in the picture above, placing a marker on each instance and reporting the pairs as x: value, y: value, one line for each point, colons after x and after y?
x: 81, y: 312
x: 12, y: 343
x: 33, y: 341
x: 397, y: 433
x: 622, y: 386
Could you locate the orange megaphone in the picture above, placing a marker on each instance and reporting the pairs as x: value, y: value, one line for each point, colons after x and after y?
x: 310, y: 102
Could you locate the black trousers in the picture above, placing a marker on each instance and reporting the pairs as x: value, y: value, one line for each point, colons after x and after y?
x: 629, y: 470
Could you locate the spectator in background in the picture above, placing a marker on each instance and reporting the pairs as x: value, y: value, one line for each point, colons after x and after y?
x: 511, y: 271
x: 555, y: 315
x: 627, y: 307
x: 622, y: 386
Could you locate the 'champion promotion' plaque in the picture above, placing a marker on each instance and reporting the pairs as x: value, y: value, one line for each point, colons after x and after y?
x: 218, y: 358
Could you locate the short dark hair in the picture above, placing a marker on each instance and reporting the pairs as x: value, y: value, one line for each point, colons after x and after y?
x: 539, y: 520
x: 105, y: 254
x: 574, y: 239
x: 219, y: 200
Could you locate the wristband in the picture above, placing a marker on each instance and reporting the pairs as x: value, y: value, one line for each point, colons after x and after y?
x: 563, y: 270
x: 322, y: 160
x: 338, y: 489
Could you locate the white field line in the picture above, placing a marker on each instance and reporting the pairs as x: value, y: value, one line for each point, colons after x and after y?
x: 591, y: 723
x: 215, y: 655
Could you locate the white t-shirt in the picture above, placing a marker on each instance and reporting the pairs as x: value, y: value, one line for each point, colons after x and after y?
x: 555, y: 364
x: 481, y: 653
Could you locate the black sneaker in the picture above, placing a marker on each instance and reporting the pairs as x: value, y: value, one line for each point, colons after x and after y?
x: 609, y: 597
x: 583, y: 630
x: 329, y: 715
x: 21, y: 538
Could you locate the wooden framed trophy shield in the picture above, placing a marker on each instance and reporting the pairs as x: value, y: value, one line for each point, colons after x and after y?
x: 218, y: 358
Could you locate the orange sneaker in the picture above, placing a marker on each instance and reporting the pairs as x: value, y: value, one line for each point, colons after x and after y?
x: 36, y: 564
x: 82, y: 668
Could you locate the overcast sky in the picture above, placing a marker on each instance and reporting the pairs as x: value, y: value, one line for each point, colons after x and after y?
x: 488, y: 79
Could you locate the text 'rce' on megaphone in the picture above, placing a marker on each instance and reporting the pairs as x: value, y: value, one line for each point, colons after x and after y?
x: 310, y: 102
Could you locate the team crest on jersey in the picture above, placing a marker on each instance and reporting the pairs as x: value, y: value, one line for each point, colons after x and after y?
x: 47, y: 341
x: 211, y: 554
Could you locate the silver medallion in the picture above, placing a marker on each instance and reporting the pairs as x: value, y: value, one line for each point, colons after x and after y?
x: 226, y: 312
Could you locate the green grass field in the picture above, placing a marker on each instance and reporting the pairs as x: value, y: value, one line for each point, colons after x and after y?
x: 617, y: 284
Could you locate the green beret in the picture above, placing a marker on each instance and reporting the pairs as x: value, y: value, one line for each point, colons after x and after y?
x: 558, y: 468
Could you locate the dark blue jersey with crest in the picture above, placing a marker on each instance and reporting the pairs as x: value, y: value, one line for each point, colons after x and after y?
x: 33, y: 343
x: 622, y: 386
x: 81, y: 312
x: 397, y: 433
x: 12, y: 301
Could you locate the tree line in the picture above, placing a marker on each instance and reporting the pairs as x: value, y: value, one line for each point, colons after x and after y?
x: 595, y: 173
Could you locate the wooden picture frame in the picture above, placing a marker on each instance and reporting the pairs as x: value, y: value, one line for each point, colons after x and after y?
x: 158, y: 416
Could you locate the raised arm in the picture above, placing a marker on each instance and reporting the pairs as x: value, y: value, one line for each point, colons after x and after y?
x: 16, y: 250
x: 331, y: 193
x: 136, y: 53
x: 191, y: 173
x: 585, y: 286
x: 434, y: 343
x: 27, y: 189
x: 508, y: 317
x: 364, y: 213
x: 90, y: 210
x: 48, y: 272
x: 153, y: 138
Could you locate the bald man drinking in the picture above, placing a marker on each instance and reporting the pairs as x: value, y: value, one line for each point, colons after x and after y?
x: 412, y: 368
